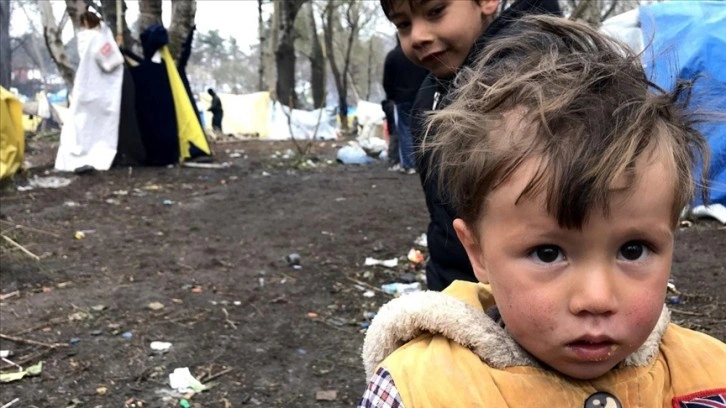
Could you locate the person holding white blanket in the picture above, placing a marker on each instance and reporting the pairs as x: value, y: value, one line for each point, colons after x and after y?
x: 90, y: 134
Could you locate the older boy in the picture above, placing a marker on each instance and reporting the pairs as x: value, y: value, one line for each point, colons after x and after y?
x: 443, y: 36
x: 568, y: 173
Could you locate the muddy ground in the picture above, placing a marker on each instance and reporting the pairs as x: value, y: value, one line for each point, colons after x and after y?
x: 206, y: 248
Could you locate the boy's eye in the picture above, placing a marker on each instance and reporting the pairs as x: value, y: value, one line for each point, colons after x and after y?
x: 547, y: 254
x: 436, y: 10
x: 402, y: 25
x: 633, y: 251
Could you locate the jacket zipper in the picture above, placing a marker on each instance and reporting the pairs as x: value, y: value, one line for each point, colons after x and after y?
x: 437, y: 95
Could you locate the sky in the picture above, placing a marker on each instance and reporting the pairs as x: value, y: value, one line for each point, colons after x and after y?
x: 233, y: 18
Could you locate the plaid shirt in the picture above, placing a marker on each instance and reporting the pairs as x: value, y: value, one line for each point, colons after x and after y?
x: 381, y: 392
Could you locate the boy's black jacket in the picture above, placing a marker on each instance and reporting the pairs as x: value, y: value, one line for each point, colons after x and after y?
x: 401, y: 77
x: 448, y: 261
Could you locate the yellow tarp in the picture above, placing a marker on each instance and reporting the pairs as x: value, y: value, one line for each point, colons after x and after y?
x: 190, y: 131
x: 247, y: 114
x: 12, y: 138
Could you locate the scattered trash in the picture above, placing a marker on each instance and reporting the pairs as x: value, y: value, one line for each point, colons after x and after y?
x: 160, y: 346
x: 369, y: 294
x: 197, y: 289
x: 399, y: 289
x: 12, y: 402
x: 265, y: 174
x: 4, y: 353
x: 329, y: 395
x: 183, y: 381
x: 673, y: 300
x: 672, y: 288
x: 716, y: 211
x: 312, y: 315
x: 206, y: 165
x: 168, y: 202
x: 183, y: 403
x: 407, y: 278
x: 47, y: 182
x: 9, y: 295
x: 73, y: 341
x: 87, y: 169
x: 422, y: 241
x: 101, y: 390
x: 96, y: 332
x: 302, y: 352
x: 31, y: 371
x: 155, y: 306
x: 293, y: 259
x: 369, y: 315
x: 353, y: 154
x: 127, y: 335
x: 365, y: 325
x: 98, y: 308
x: 79, y: 235
x: 415, y: 256
x: 71, y: 204
x: 388, y: 263
x: 113, y: 201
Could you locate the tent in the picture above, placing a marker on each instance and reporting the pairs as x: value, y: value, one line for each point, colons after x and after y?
x: 12, y: 137
x: 257, y: 115
x: 685, y: 40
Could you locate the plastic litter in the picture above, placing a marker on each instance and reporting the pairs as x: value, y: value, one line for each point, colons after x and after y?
x: 160, y: 346
x: 293, y: 259
x: 422, y: 241
x: 415, y: 256
x: 399, y: 289
x: 183, y: 381
x: 388, y: 263
x: 353, y: 154
x: 31, y: 371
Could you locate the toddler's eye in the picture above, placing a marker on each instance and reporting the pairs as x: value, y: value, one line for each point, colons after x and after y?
x: 633, y: 251
x: 547, y: 254
x: 436, y: 11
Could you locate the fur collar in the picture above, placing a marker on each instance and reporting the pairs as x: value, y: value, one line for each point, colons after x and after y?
x: 405, y: 318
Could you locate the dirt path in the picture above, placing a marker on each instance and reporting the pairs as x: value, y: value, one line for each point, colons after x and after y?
x: 209, y: 246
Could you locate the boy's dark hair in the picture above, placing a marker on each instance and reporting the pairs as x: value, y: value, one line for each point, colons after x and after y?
x: 559, y: 91
x: 387, y: 5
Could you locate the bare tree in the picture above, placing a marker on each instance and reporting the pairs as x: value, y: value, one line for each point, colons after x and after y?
x: 52, y: 34
x: 317, y: 62
x: 261, y: 38
x: 110, y: 15
x: 269, y: 60
x: 5, y: 52
x: 149, y: 14
x: 285, y: 52
x: 74, y: 9
x: 594, y: 12
x: 354, y: 15
x: 182, y: 21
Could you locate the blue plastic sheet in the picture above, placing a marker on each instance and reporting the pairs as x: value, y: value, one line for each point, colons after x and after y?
x: 688, y: 39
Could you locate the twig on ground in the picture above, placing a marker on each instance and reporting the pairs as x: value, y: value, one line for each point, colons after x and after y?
x: 217, y: 375
x: 9, y: 295
x: 20, y: 247
x: 31, y: 228
x: 10, y: 403
x: 226, y: 319
x: 32, y: 342
x: 687, y: 313
x: 367, y: 285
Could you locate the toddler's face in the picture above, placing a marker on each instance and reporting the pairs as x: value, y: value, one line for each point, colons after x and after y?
x: 438, y: 34
x: 580, y: 301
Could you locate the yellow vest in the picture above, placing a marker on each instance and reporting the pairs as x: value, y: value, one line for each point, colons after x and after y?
x: 434, y: 371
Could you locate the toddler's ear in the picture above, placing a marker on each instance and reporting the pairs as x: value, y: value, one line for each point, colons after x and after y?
x: 473, y: 249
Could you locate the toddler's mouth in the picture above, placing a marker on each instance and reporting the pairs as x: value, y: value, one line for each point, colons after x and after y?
x: 593, y: 351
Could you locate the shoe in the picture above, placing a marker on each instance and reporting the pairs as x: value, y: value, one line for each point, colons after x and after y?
x: 395, y: 167
x: 410, y: 171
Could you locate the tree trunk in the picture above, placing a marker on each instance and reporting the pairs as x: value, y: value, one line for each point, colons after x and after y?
x: 53, y: 41
x: 262, y: 42
x: 182, y: 21
x: 285, y: 52
x: 317, y: 63
x: 5, y: 52
x: 75, y: 8
x: 109, y: 15
x: 329, y: 15
x: 149, y: 14
x: 370, y: 69
x: 270, y: 77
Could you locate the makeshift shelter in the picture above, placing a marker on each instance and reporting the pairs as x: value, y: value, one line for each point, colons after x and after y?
x: 685, y: 41
x: 257, y: 115
x: 12, y: 138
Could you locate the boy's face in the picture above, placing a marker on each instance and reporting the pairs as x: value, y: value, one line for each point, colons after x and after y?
x: 580, y: 301
x: 438, y: 34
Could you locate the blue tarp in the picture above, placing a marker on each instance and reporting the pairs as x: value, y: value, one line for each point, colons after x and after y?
x: 688, y: 38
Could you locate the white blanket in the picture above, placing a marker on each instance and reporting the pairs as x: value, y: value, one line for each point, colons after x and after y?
x: 90, y: 136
